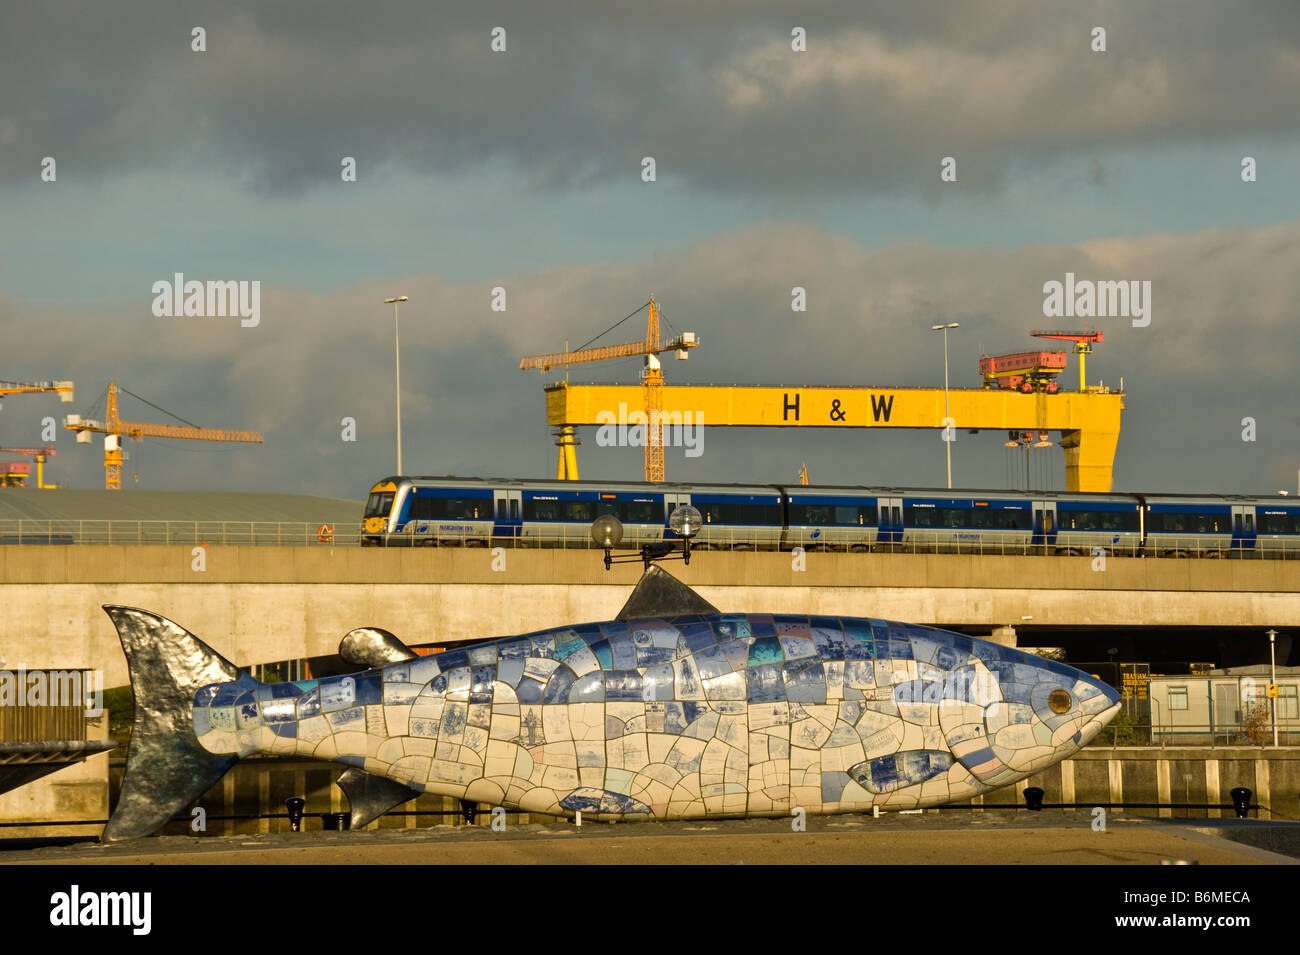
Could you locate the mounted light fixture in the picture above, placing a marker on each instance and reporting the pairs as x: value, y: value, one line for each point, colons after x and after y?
x: 684, y: 521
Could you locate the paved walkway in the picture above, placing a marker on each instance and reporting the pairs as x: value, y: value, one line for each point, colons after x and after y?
x: 930, y: 839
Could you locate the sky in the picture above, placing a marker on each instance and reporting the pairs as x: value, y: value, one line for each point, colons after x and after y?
x: 523, y: 168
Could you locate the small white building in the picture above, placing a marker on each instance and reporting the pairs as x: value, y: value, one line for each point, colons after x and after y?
x: 1226, y: 707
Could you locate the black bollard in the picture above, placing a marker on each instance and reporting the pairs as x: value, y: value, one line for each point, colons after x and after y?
x: 295, y: 805
x: 1033, y: 799
x: 468, y: 811
x: 1240, y: 800
x: 330, y: 821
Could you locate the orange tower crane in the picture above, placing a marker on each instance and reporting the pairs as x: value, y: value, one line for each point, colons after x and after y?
x: 1082, y: 347
x: 17, y: 477
x: 113, y: 428
x: 61, y: 388
x: 652, y: 382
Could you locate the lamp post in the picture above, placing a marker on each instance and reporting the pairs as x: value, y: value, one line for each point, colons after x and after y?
x: 397, y: 346
x: 947, y: 418
x: 1272, y: 681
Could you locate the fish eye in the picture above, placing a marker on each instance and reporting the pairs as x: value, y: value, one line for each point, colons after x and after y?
x: 1059, y: 701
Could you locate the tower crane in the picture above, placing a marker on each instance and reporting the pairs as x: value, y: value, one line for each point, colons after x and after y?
x: 113, y: 428
x: 1082, y: 347
x: 61, y: 388
x: 652, y: 383
x: 15, y: 476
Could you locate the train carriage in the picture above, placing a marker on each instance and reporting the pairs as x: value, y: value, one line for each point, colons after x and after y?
x: 428, y: 511
x: 1188, y: 526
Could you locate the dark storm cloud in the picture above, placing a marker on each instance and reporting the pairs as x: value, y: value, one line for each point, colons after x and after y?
x: 1220, y: 347
x: 586, y: 90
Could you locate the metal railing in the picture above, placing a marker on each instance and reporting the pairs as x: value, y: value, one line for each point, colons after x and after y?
x: 188, y: 533
x: 318, y: 533
x: 1164, y: 735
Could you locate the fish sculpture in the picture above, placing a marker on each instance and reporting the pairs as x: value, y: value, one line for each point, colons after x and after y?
x: 673, y: 710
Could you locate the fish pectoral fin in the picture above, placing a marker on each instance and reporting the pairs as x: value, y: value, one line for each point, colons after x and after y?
x: 884, y: 774
x: 370, y: 796
x: 660, y: 594
x: 373, y: 647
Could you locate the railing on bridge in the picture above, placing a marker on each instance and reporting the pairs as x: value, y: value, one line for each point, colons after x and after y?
x: 320, y: 533
x: 188, y: 533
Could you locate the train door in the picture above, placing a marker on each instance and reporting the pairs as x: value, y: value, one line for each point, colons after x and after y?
x: 507, y: 516
x: 1243, y: 527
x: 1044, y: 523
x: 891, y: 520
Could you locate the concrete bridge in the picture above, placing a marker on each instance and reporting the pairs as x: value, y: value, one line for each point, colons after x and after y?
x: 266, y: 604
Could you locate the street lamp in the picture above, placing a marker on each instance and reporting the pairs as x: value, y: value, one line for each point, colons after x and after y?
x: 1272, y: 681
x: 397, y: 345
x: 947, y: 418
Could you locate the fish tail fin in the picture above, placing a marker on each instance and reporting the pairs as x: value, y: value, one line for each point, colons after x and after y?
x: 166, y: 768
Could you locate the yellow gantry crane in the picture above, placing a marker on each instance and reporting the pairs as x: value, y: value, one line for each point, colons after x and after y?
x: 652, y: 384
x: 113, y: 428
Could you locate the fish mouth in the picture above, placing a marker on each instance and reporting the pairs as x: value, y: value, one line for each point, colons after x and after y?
x: 1095, y: 725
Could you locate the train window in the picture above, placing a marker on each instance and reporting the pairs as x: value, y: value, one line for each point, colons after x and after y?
x: 1099, y: 520
x: 1049, y: 522
x: 1250, y: 523
x: 847, y: 515
x: 898, y: 515
x: 514, y: 509
x: 639, y: 512
x: 580, y: 511
x: 1236, y: 523
x: 501, y: 509
x: 742, y: 512
x: 1278, y: 524
x: 1190, y: 523
x: 541, y: 510
x: 379, y: 504
x: 837, y: 515
x: 447, y: 508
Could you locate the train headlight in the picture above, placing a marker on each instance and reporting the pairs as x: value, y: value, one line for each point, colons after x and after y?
x: 685, y: 521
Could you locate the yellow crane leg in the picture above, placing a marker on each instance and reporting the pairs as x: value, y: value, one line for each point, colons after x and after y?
x: 566, y: 463
x: 1089, y: 457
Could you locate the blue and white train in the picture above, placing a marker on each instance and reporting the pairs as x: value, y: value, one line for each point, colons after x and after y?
x: 407, y: 511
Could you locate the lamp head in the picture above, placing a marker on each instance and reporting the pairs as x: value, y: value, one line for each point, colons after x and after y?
x: 685, y: 521
x: 607, y: 531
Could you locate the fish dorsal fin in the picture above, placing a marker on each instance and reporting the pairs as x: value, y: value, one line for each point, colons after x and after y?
x: 660, y: 594
x: 373, y: 647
